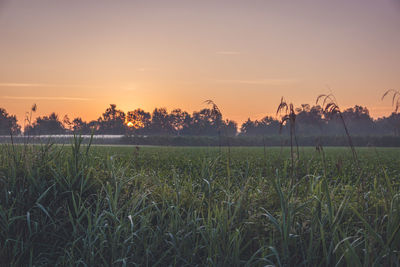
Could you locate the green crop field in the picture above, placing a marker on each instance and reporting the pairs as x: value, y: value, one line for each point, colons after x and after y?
x: 184, y: 206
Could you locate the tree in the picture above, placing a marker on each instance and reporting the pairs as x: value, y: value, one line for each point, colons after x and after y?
x: 112, y: 121
x: 248, y: 127
x: 46, y: 125
x: 266, y: 126
x: 230, y: 128
x: 80, y: 127
x: 359, y: 120
x: 180, y: 121
x: 205, y: 122
x: 8, y: 123
x: 94, y: 126
x: 160, y: 122
x: 138, y: 120
x: 389, y: 125
x: 309, y: 120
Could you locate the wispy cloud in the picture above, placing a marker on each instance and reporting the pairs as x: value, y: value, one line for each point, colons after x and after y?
x: 47, y: 85
x: 62, y: 98
x: 24, y: 85
x: 261, y: 81
x: 228, y: 53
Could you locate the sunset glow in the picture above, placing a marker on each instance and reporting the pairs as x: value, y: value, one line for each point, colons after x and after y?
x: 77, y: 57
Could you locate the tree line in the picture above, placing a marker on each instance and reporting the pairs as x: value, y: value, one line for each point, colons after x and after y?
x: 310, y: 121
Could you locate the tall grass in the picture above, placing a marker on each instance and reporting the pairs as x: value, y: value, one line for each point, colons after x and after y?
x: 331, y: 107
x: 91, y: 206
x: 289, y: 117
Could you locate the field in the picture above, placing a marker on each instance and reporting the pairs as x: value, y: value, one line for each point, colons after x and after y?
x: 159, y: 206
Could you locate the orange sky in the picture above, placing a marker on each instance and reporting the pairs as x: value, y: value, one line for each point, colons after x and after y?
x: 76, y: 57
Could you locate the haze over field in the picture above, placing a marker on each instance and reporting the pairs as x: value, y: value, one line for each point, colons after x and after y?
x: 77, y: 57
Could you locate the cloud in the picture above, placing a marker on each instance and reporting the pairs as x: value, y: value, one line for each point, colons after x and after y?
x: 261, y: 81
x: 228, y: 53
x: 47, y: 85
x: 62, y: 98
x: 23, y: 84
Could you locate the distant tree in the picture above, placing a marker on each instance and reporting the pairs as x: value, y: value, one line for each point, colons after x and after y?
x: 359, y: 120
x: 266, y: 126
x: 112, y: 121
x: 8, y: 123
x: 138, y: 120
x: 248, y: 127
x: 180, y: 121
x: 205, y: 122
x: 94, y: 126
x: 80, y: 127
x: 160, y: 122
x: 309, y: 120
x: 389, y: 125
x: 230, y: 128
x: 46, y: 125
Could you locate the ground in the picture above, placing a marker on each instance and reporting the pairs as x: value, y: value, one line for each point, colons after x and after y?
x: 215, y: 206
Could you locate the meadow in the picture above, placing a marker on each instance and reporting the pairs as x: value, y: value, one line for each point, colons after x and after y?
x: 185, y: 206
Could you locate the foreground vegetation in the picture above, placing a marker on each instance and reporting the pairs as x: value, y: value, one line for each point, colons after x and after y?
x: 124, y: 206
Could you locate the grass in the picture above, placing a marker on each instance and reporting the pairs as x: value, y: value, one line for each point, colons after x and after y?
x: 157, y: 206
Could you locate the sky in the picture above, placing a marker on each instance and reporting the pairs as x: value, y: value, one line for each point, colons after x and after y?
x: 77, y: 57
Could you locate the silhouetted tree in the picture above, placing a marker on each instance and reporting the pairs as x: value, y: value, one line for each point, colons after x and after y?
x: 229, y: 128
x: 359, y: 120
x: 309, y: 120
x: 46, y: 125
x: 266, y: 126
x: 160, y: 122
x: 248, y: 127
x: 388, y: 125
x: 8, y: 123
x: 94, y: 126
x: 205, y: 122
x: 112, y: 121
x: 180, y: 121
x: 138, y: 121
x: 81, y: 127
